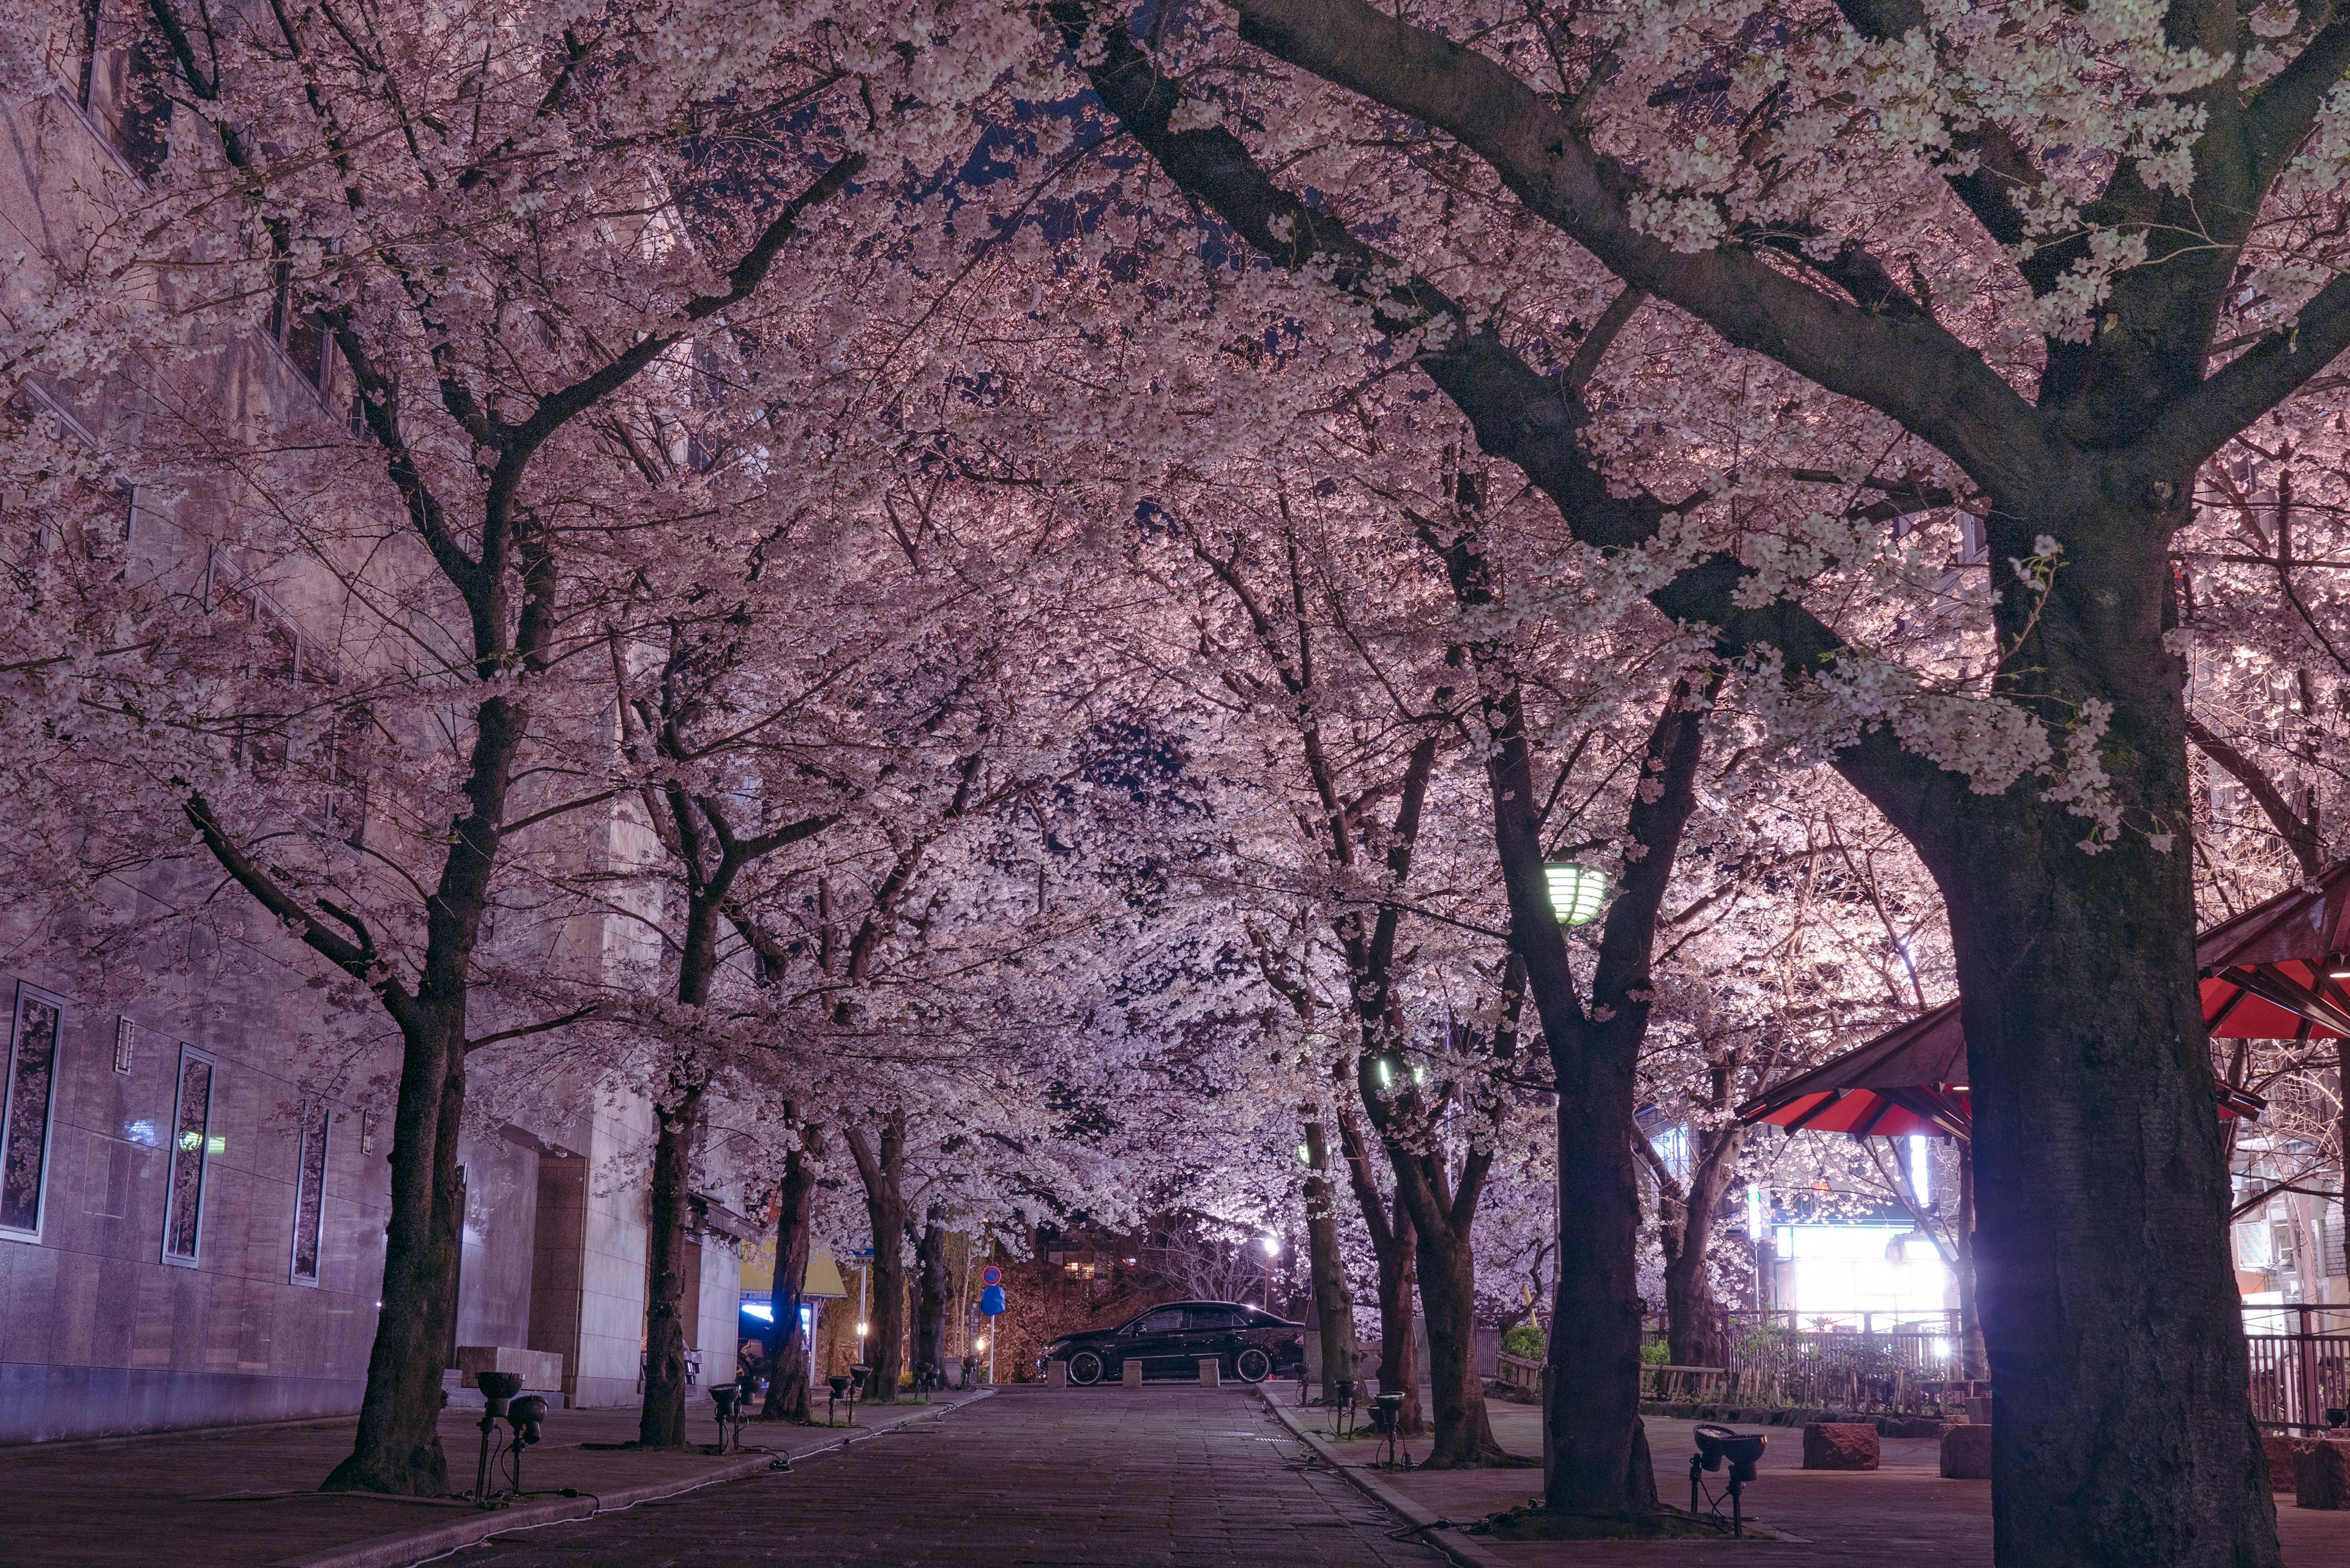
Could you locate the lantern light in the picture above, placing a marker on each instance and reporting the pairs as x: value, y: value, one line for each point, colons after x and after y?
x: 1577, y: 893
x: 1304, y: 1156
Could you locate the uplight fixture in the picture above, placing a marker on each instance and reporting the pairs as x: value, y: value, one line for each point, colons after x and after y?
x: 1577, y: 893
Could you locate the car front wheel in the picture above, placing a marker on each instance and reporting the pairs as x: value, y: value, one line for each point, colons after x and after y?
x: 1085, y: 1367
x: 1253, y: 1364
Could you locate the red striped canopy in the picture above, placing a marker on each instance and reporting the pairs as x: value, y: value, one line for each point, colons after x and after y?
x: 2276, y: 971
x: 1909, y: 1081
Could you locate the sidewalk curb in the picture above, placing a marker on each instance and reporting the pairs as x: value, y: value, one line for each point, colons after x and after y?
x: 1446, y: 1538
x: 412, y: 1546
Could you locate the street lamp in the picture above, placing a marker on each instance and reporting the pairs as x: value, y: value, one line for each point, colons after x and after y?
x: 1577, y: 893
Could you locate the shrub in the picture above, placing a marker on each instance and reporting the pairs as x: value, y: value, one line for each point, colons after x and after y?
x: 1525, y: 1341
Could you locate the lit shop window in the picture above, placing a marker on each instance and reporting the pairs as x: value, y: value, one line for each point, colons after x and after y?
x: 191, y: 1147
x: 26, y: 1099
x: 310, y: 1193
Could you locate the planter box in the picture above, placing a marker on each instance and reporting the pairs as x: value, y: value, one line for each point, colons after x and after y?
x: 1840, y: 1446
x: 1966, y: 1453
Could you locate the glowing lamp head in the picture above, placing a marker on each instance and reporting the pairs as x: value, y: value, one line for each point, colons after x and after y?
x: 1577, y: 893
x: 1272, y: 1246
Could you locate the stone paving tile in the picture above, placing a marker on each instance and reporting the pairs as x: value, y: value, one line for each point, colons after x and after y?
x: 1903, y: 1512
x: 1094, y: 1477
x: 239, y: 1497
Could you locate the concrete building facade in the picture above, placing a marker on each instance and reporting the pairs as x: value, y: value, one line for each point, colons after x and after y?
x: 190, y: 1230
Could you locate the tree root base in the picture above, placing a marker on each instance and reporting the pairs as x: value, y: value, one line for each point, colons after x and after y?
x: 1535, y: 1522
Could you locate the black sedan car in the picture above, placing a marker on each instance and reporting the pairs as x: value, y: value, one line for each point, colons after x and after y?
x: 1170, y: 1341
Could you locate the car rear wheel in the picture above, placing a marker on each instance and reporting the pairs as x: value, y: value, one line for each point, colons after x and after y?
x: 1085, y: 1367
x: 1253, y: 1365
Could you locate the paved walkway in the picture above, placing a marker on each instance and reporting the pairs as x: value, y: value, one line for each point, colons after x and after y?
x: 1096, y: 1478
x: 248, y: 1497
x: 1903, y: 1511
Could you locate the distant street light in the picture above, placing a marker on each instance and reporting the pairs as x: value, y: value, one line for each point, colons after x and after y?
x: 1577, y: 893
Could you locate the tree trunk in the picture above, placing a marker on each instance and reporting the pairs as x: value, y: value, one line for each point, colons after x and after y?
x: 1399, y: 1357
x: 1595, y: 1452
x: 2109, y: 1302
x: 1448, y: 1291
x: 660, y: 1424
x: 1392, y: 1245
x: 931, y: 1291
x: 1974, y: 1361
x: 1334, y: 1302
x: 787, y: 1355
x: 399, y: 1445
x: 2113, y: 1322
x: 1693, y: 1326
x: 881, y: 1171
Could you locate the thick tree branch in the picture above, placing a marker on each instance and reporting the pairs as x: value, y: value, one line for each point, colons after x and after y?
x: 2207, y: 418
x: 1907, y: 367
x: 2299, y: 835
x: 355, y: 955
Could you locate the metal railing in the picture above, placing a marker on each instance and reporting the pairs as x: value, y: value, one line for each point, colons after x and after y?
x: 2300, y: 1363
x: 1906, y: 1363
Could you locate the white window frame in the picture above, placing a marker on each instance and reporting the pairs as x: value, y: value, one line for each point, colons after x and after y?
x: 27, y: 991
x: 188, y: 1054
x: 323, y: 1115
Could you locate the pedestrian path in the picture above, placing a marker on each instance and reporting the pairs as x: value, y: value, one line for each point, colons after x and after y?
x: 1903, y: 1511
x: 1092, y: 1478
x: 248, y: 1497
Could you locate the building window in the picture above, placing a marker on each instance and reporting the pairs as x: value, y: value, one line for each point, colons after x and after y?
x: 126, y: 1043
x: 183, y: 1206
x: 310, y: 1193
x: 25, y: 1101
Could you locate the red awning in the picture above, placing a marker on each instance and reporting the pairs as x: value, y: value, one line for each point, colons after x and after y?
x: 2277, y: 972
x: 2268, y: 973
x: 1910, y: 1080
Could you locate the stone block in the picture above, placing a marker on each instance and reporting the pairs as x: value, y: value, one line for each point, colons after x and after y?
x: 1966, y: 1453
x: 1210, y: 1368
x: 540, y: 1369
x: 1840, y: 1446
x: 2321, y: 1474
x: 1131, y: 1372
x: 1056, y: 1374
x: 2279, y: 1447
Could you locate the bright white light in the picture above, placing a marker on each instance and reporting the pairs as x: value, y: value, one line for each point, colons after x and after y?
x: 763, y: 1314
x: 1755, y: 1218
x: 979, y: 1344
x: 1272, y: 1245
x: 1921, y: 1168
x: 860, y: 1331
x: 1844, y: 1268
